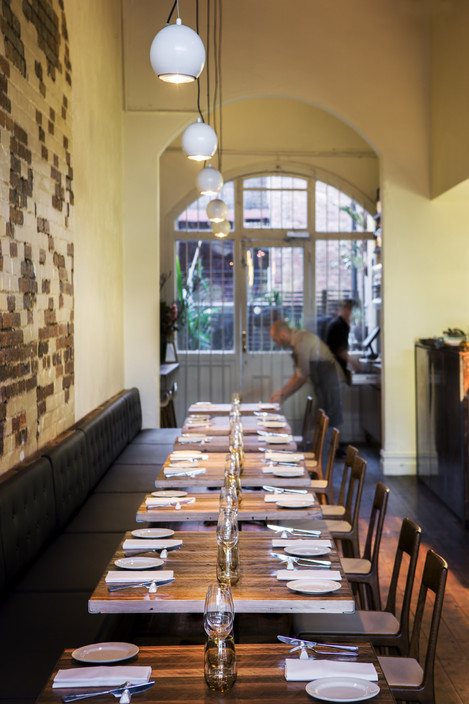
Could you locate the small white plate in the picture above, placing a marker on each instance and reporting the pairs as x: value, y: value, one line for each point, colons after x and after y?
x: 277, y: 441
x: 313, y: 551
x: 294, y: 503
x: 139, y: 563
x: 342, y: 689
x: 288, y: 472
x: 153, y: 533
x: 105, y: 652
x: 172, y: 493
x: 314, y: 586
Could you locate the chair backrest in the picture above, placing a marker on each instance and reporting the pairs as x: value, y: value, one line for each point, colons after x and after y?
x: 354, y: 492
x: 375, y: 526
x: 408, y: 544
x: 350, y: 455
x: 319, y: 437
x: 333, y: 445
x: 434, y: 576
x: 307, y: 426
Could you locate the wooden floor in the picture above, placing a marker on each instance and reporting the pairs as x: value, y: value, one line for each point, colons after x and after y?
x: 441, y: 531
x: 444, y: 533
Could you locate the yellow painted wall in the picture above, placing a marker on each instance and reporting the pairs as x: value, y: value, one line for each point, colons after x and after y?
x: 95, y: 44
x: 450, y: 94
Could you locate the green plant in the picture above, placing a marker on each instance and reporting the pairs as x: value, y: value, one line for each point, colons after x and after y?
x: 193, y: 290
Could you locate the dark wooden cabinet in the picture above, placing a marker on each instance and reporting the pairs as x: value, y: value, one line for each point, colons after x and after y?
x: 442, y: 405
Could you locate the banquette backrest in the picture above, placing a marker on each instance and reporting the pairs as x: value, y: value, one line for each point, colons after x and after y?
x: 28, y: 518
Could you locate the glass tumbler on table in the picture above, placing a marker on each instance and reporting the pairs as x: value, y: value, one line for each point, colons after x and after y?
x: 219, y: 655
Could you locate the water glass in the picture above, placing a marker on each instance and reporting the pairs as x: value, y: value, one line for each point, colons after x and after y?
x: 220, y: 670
x: 228, y: 564
x: 229, y: 496
x: 218, y: 611
x: 227, y: 527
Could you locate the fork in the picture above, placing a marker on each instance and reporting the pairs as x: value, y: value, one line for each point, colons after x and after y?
x: 301, y: 561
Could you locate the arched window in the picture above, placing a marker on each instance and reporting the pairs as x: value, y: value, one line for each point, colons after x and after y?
x: 297, y: 247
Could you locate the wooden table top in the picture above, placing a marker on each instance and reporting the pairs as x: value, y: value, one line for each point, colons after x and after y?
x: 225, y: 408
x: 178, y: 671
x: 206, y: 508
x: 220, y: 425
x: 220, y: 443
x: 252, y: 475
x: 194, y: 566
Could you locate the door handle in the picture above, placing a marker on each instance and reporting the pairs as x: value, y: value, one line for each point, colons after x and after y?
x: 244, y: 341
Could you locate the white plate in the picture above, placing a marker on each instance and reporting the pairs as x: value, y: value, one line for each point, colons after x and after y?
x: 294, y: 503
x: 139, y: 563
x: 172, y: 493
x: 277, y: 441
x: 273, y: 423
x: 288, y: 472
x: 185, y: 453
x: 105, y: 652
x: 313, y: 551
x: 314, y: 586
x: 342, y: 689
x: 153, y: 533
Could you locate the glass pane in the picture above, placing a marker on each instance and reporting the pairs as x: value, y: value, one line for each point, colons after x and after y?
x: 272, y: 209
x: 337, y: 212
x: 205, y: 284
x: 274, y: 291
x: 194, y: 217
x: 341, y: 267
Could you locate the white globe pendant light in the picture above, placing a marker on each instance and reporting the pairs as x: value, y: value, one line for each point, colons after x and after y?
x: 199, y: 141
x: 209, y: 181
x: 177, y: 54
x: 221, y: 229
x: 217, y: 210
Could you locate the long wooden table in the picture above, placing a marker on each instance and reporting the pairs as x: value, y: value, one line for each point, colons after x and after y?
x: 194, y: 566
x: 225, y: 408
x: 220, y: 425
x: 252, y: 475
x: 220, y: 443
x: 206, y: 508
x: 178, y: 672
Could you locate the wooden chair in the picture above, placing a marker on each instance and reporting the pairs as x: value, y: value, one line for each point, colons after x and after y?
x: 313, y: 459
x: 304, y: 441
x: 167, y: 411
x: 337, y: 510
x: 408, y: 680
x: 385, y: 629
x: 345, y: 530
x: 364, y: 570
x: 324, y: 487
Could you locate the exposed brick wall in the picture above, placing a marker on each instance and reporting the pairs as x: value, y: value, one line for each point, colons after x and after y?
x: 36, y: 242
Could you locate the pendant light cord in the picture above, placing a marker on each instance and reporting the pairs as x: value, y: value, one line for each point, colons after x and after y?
x: 176, y: 2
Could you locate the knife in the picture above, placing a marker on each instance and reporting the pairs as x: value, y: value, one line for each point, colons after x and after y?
x: 312, y: 644
x: 287, y: 529
x: 286, y: 558
x: 132, y: 688
x: 117, y: 587
x: 281, y: 490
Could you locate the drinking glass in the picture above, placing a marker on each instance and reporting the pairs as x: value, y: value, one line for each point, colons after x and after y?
x: 218, y: 611
x: 220, y: 663
x: 228, y: 564
x: 227, y: 527
x: 229, y: 495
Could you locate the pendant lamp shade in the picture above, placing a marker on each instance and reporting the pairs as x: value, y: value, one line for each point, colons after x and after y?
x: 217, y: 210
x: 221, y: 229
x: 199, y: 141
x: 177, y: 54
x: 209, y: 181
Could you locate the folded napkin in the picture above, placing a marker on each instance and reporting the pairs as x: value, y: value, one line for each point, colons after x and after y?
x: 267, y: 406
x: 150, y: 544
x: 274, y: 497
x: 289, y: 471
x: 309, y: 575
x: 307, y: 543
x: 272, y: 423
x: 284, y: 456
x: 102, y: 676
x: 155, y: 501
x: 307, y: 670
x: 197, y: 424
x: 186, y: 454
x: 131, y: 576
x: 268, y: 470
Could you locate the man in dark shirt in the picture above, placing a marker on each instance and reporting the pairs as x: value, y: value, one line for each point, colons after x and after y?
x: 337, y: 338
